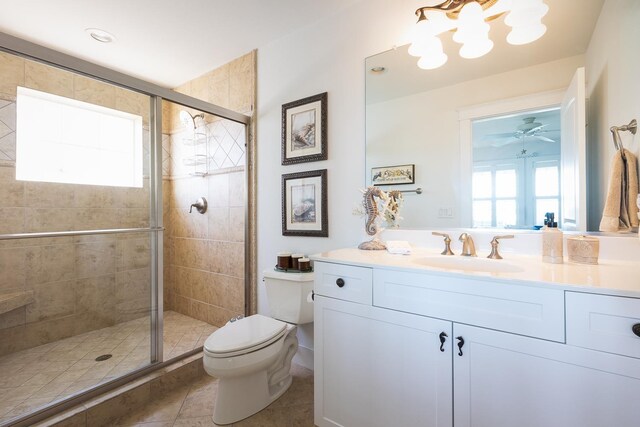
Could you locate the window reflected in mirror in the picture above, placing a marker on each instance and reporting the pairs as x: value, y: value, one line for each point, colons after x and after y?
x: 516, y: 169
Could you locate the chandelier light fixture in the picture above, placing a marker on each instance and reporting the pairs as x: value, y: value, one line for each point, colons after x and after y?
x: 469, y: 19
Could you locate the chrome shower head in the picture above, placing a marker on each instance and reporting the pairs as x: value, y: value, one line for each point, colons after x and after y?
x: 188, y: 120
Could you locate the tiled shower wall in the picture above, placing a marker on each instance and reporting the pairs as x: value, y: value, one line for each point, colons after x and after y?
x: 204, y: 254
x: 76, y: 284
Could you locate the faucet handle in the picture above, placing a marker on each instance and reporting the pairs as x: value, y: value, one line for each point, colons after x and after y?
x: 447, y: 243
x: 494, y: 245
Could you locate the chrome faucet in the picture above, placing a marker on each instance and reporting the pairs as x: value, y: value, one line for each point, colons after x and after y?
x: 468, y: 247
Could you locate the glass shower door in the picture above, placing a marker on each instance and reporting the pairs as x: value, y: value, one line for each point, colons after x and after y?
x: 79, y: 235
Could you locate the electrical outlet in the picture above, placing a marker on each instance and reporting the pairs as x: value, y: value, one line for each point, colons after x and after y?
x: 445, y: 212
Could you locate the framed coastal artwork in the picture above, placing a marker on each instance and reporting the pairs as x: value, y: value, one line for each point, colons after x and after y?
x: 393, y: 175
x: 304, y: 204
x: 304, y: 130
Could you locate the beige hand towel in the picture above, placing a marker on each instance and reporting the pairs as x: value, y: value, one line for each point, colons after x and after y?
x: 620, y: 210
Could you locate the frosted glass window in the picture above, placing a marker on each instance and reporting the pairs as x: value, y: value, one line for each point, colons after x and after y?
x: 547, y: 181
x: 506, y: 213
x: 63, y: 140
x: 506, y: 183
x: 482, y: 213
x: 482, y: 184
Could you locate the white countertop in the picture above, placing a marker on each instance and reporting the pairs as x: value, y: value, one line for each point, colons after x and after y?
x: 608, y: 277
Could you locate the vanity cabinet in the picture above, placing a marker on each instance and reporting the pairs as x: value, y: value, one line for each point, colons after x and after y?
x: 504, y: 362
x: 506, y: 380
x: 377, y: 367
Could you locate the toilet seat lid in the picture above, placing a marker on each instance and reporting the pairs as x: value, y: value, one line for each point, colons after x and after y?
x: 244, y: 334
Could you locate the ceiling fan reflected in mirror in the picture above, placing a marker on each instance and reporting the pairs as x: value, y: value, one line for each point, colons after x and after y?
x: 529, y: 129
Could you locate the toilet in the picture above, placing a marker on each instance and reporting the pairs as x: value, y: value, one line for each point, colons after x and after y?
x: 251, y: 356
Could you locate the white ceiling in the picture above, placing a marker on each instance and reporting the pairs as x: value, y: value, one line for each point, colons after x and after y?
x: 167, y: 42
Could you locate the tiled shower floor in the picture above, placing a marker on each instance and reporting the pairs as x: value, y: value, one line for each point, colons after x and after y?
x: 37, y: 376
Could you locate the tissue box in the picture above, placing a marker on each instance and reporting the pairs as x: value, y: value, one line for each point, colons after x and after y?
x: 583, y: 249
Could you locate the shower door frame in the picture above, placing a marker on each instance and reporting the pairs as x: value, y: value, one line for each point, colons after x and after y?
x: 157, y: 94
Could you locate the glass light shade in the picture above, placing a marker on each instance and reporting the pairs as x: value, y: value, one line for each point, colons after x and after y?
x: 426, y: 47
x: 470, y: 12
x: 440, y: 23
x: 476, y: 48
x: 422, y: 29
x: 526, y: 13
x: 468, y: 31
x: 416, y: 49
x: 433, y: 61
x: 524, y: 35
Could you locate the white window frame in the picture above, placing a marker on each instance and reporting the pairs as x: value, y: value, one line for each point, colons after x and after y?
x: 532, y: 164
x: 494, y: 166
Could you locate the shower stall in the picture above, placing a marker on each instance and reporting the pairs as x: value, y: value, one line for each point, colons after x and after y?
x: 105, y: 275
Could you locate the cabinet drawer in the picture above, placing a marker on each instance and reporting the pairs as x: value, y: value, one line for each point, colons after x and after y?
x: 603, y: 322
x: 343, y: 282
x: 525, y: 310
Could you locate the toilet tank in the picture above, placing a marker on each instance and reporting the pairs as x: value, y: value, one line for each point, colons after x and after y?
x: 289, y: 296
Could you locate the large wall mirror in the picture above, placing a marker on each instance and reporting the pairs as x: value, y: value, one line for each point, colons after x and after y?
x: 500, y: 140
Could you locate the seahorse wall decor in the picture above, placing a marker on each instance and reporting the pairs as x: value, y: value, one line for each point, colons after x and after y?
x: 372, y: 213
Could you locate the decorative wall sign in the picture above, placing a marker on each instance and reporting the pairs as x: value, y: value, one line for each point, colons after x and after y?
x: 304, y: 204
x: 304, y: 130
x: 393, y: 175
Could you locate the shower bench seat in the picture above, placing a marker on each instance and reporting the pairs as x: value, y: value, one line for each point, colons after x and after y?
x: 15, y: 300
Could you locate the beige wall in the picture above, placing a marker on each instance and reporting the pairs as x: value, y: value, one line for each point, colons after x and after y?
x: 204, y: 254
x: 78, y: 283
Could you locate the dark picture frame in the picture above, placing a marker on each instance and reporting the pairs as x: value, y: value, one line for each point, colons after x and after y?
x: 393, y: 175
x: 304, y: 204
x: 304, y: 130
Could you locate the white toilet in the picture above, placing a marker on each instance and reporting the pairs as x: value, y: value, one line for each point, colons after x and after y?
x: 251, y: 357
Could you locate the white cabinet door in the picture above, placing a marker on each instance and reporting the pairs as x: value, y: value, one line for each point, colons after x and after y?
x: 377, y: 367
x: 506, y: 380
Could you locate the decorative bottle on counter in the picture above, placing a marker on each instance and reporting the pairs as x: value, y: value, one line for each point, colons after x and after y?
x: 552, y: 243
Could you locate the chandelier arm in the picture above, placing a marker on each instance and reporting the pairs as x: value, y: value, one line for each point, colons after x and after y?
x: 452, y: 7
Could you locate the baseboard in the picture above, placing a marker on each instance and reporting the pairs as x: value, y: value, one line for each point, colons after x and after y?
x: 304, y: 357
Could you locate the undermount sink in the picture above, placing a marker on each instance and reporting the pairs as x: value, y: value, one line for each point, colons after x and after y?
x: 472, y: 264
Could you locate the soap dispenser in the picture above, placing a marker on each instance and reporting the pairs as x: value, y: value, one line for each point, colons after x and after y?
x: 552, y: 240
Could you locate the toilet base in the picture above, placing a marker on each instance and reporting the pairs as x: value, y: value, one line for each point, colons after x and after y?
x: 239, y: 398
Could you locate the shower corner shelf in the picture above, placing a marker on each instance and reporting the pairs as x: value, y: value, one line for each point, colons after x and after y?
x: 196, y: 160
x: 15, y: 300
x: 198, y: 139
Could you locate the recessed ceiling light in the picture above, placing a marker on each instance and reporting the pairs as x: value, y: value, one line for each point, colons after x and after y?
x: 378, y: 70
x: 100, y: 35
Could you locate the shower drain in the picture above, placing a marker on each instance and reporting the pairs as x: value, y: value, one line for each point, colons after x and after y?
x: 103, y: 357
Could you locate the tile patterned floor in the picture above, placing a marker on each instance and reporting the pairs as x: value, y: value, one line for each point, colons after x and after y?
x: 192, y: 406
x: 40, y: 375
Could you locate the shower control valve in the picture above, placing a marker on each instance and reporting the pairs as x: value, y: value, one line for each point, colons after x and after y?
x: 200, y: 205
